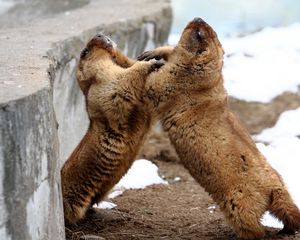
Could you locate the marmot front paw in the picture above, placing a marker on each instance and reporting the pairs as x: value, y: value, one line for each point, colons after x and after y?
x: 156, y: 64
x: 148, y: 55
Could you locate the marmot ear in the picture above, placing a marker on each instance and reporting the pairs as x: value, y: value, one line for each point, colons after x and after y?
x: 84, y: 53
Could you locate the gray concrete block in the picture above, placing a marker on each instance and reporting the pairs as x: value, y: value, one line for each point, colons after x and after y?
x: 28, y: 155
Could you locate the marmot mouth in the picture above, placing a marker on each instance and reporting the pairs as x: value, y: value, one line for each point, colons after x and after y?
x: 196, y: 22
x: 105, y: 41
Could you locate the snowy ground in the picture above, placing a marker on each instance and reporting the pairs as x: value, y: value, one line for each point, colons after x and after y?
x: 142, y: 173
x: 281, y: 146
x: 263, y: 65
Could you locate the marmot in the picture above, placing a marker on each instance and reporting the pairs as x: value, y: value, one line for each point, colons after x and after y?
x: 218, y: 151
x: 113, y: 85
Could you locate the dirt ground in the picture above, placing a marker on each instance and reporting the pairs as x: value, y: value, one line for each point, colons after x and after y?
x: 179, y: 210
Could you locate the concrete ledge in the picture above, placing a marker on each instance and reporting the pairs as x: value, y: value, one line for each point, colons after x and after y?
x: 36, y: 69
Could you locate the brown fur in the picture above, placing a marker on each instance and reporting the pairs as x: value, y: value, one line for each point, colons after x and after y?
x: 189, y: 95
x: 113, y: 86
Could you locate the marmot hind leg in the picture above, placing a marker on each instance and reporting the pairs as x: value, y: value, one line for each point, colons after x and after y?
x: 283, y: 207
x: 244, y: 214
x: 74, y: 212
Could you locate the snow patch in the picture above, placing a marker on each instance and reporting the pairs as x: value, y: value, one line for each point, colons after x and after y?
x: 263, y: 65
x: 282, y: 152
x: 142, y: 173
x: 115, y: 193
x: 287, y: 126
x: 176, y: 179
x: 212, y: 207
x: 270, y: 221
x: 105, y: 205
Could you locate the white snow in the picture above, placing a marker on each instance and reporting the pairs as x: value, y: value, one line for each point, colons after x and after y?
x: 287, y: 126
x: 270, y: 221
x: 260, y: 66
x: 176, y: 179
x: 105, y: 205
x: 115, y: 193
x: 282, y: 152
x: 212, y: 207
x: 142, y: 173
x: 263, y: 65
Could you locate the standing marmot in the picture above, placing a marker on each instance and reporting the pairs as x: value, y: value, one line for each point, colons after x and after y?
x: 218, y: 151
x: 113, y: 86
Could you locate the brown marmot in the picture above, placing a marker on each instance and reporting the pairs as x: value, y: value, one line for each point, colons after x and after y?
x: 113, y: 85
x: 189, y: 95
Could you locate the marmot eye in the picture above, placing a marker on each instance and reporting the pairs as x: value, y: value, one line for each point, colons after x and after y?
x: 84, y: 52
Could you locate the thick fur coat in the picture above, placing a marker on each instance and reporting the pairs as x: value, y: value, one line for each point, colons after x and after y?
x: 119, y: 120
x: 190, y: 98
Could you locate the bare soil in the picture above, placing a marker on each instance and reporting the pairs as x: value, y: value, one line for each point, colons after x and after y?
x: 179, y: 210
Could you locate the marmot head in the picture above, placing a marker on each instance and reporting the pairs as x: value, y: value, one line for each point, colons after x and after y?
x: 200, y: 43
x: 97, y: 50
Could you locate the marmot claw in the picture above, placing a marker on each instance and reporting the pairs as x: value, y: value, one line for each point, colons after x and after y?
x: 157, y: 64
x: 148, y: 55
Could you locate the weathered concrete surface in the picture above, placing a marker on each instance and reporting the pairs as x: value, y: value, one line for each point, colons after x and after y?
x: 30, y: 180
x: 36, y: 69
x: 27, y: 12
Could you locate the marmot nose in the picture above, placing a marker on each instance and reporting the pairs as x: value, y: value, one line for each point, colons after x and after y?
x: 100, y: 35
x: 198, y: 20
x: 103, y: 37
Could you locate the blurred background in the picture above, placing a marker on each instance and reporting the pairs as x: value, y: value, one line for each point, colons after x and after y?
x: 228, y: 17
x: 231, y: 18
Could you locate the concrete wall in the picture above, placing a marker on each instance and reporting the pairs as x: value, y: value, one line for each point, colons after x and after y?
x: 42, y: 110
